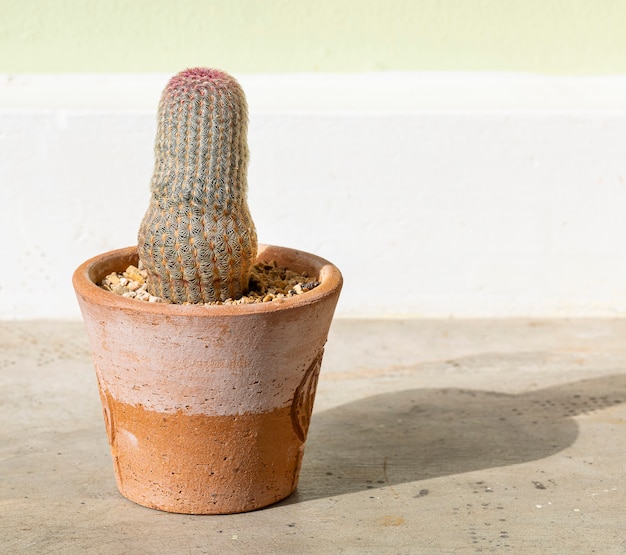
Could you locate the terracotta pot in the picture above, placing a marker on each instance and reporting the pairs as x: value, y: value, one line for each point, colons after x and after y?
x: 207, y: 408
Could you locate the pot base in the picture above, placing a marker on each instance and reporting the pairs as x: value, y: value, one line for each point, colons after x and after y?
x: 198, y: 464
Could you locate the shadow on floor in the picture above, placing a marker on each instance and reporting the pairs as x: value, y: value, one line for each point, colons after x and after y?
x: 413, y: 435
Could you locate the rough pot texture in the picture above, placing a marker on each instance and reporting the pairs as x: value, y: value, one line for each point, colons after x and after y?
x: 207, y: 408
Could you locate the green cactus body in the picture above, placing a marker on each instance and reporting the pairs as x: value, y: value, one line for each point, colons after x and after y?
x: 197, y: 240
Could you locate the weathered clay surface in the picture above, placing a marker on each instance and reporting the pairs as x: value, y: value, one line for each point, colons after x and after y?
x: 207, y: 407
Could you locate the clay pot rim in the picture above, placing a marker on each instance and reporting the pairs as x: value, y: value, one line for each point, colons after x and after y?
x: 85, y: 277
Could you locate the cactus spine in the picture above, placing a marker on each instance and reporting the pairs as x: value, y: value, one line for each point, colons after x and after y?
x: 197, y: 240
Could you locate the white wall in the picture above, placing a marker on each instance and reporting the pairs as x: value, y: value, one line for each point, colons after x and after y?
x: 436, y: 194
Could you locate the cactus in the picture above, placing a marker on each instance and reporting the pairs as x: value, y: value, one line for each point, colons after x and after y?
x: 197, y: 240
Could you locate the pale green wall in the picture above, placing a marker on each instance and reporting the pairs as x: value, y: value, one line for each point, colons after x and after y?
x: 546, y: 36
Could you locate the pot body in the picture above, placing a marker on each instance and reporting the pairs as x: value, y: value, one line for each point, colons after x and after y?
x: 207, y: 408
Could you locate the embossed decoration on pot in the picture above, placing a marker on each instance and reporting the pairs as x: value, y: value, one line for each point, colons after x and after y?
x: 207, y: 408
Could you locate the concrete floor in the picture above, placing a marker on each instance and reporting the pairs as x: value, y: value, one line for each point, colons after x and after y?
x: 427, y: 437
